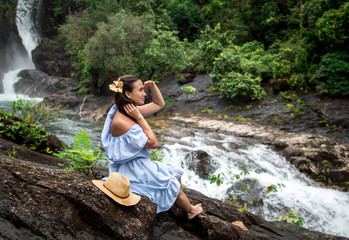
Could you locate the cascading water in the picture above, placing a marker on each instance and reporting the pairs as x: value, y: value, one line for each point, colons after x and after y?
x: 323, y: 209
x: 30, y: 40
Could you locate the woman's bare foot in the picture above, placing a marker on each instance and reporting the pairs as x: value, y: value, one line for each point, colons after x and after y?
x: 196, y: 210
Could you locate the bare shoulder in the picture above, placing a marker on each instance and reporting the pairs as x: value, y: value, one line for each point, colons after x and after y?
x: 121, y: 125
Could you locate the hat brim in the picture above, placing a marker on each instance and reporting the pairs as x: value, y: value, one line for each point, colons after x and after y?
x: 131, y: 200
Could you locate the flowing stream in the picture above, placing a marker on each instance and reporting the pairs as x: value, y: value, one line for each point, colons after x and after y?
x: 322, y: 209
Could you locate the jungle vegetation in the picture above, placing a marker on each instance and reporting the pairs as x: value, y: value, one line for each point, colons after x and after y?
x: 292, y: 45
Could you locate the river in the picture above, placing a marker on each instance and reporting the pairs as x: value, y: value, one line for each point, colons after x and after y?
x: 322, y: 209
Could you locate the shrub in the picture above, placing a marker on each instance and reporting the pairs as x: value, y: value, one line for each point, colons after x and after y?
x: 332, y: 27
x: 331, y: 75
x: 212, y: 42
x: 189, y: 90
x: 28, y: 134
x: 167, y: 53
x: 30, y: 111
x: 236, y: 84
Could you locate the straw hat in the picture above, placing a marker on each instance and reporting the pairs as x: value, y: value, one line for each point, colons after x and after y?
x: 117, y: 186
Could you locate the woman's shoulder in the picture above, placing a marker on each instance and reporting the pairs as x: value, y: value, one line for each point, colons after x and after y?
x: 121, y: 125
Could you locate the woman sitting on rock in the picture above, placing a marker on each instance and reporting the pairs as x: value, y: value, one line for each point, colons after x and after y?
x: 128, y: 140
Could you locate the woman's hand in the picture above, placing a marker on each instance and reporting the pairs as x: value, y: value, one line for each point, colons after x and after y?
x: 149, y: 84
x: 133, y: 111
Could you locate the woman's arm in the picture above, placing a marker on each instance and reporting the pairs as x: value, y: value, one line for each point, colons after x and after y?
x: 133, y: 111
x: 157, y: 102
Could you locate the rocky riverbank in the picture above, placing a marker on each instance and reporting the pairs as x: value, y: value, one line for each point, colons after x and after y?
x: 301, y: 138
x: 42, y: 202
x: 315, y: 139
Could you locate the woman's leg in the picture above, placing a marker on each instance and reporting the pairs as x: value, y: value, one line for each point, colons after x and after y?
x: 183, y: 203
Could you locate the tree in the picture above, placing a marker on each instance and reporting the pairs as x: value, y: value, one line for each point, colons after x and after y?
x: 117, y: 48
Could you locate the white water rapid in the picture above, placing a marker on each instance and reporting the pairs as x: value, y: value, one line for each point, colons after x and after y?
x: 323, y: 209
x: 30, y: 40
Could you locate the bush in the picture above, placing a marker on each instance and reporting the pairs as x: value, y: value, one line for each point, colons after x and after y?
x: 332, y: 27
x: 212, y: 42
x: 167, y: 53
x: 30, y: 111
x: 331, y: 75
x: 188, y: 90
x: 236, y: 84
x: 28, y: 134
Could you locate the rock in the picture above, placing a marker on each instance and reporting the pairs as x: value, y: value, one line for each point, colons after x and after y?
x: 39, y: 203
x: 49, y: 57
x: 9, y: 148
x: 87, y: 106
x: 39, y: 84
x: 200, y: 162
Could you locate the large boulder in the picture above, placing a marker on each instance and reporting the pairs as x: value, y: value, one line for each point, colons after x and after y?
x: 39, y: 84
x: 40, y: 203
x: 50, y: 58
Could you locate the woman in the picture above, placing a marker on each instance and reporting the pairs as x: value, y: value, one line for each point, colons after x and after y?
x: 128, y: 140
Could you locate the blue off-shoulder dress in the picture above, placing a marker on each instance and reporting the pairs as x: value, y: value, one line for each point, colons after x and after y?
x: 129, y: 156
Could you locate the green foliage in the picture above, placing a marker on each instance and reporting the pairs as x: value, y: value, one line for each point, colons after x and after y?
x: 81, y: 157
x: 288, y: 64
x: 291, y: 217
x: 156, y: 155
x: 332, y: 27
x: 30, y: 111
x: 204, y: 109
x: 8, y: 11
x: 117, y: 48
x: 188, y: 90
x: 218, y: 179
x: 282, y: 43
x: 27, y: 133
x: 169, y: 100
x: 166, y: 53
x: 331, y: 75
x: 237, y: 84
x: 212, y: 42
x: 186, y: 16
x: 82, y: 91
x: 274, y: 188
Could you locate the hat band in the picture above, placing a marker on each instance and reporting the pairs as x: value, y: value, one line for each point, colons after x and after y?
x: 114, y: 193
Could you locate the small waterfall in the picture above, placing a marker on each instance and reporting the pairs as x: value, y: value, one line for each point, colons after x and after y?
x: 30, y: 40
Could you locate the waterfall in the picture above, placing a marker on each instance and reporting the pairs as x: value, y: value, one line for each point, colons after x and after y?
x: 30, y: 40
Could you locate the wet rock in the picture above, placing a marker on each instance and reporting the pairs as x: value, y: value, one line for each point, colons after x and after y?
x: 49, y: 57
x: 39, y: 84
x: 39, y: 203
x: 200, y: 162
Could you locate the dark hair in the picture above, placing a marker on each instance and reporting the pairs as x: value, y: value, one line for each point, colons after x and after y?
x: 120, y: 98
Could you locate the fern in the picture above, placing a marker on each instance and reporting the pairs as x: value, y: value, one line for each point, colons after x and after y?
x: 81, y: 157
